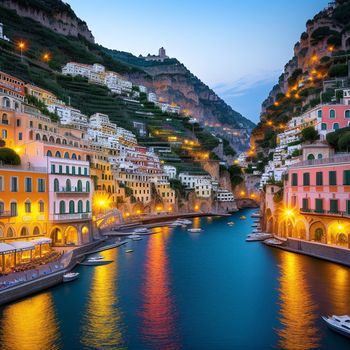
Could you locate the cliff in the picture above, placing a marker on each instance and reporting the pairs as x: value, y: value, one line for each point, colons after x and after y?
x: 53, y: 14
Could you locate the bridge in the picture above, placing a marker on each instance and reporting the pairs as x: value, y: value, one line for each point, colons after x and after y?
x: 246, y: 203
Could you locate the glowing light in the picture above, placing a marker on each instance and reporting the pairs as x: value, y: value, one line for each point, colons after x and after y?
x: 138, y: 211
x: 196, y: 207
x: 340, y: 227
x: 159, y: 208
x: 242, y: 193
x: 46, y: 57
x: 276, y: 104
x: 170, y: 209
x: 236, y: 161
x: 269, y: 123
x: 314, y: 58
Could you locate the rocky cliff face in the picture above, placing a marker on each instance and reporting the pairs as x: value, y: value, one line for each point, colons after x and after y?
x: 52, y: 14
x: 327, y: 36
x: 174, y: 83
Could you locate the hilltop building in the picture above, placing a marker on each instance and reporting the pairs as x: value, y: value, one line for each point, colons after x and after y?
x: 161, y: 57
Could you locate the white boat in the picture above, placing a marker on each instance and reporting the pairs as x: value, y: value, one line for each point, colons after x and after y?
x: 255, y: 215
x: 70, y: 276
x: 258, y: 237
x: 184, y: 221
x: 194, y: 230
x: 255, y: 225
x: 141, y: 230
x: 95, y: 262
x: 97, y: 257
x: 273, y: 242
x: 230, y: 223
x: 129, y: 251
x: 339, y: 324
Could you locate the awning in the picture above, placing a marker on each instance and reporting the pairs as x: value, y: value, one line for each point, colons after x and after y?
x: 21, y: 246
x: 40, y: 241
x: 6, y: 248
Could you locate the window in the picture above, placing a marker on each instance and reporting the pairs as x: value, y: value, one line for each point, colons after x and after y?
x: 332, y: 113
x: 14, y: 184
x: 24, y: 231
x: 2, y: 184
x: 347, y: 114
x: 41, y: 206
x: 319, y: 205
x: 80, y: 206
x: 28, y: 206
x: 306, y: 179
x: 71, y: 207
x: 348, y: 207
x: 49, y: 153
x: 319, y: 178
x: 85, y: 171
x: 79, y: 171
x: 333, y: 206
x: 62, y: 207
x: 41, y: 185
x: 88, y: 206
x: 20, y: 136
x: 332, y: 178
x: 53, y: 169
x: 66, y: 155
x: 73, y: 170
x: 87, y: 186
x: 346, y: 177
x: 56, y: 185
x: 13, y: 208
x: 335, y: 126
x: 2, y: 207
x: 60, y: 169
x: 294, y: 179
x: 310, y: 157
x: 4, y: 134
x: 58, y: 155
x: 319, y: 156
x: 67, y: 169
x: 28, y: 184
x: 68, y: 185
x: 319, y: 113
x: 323, y: 126
x: 18, y: 122
x: 305, y: 204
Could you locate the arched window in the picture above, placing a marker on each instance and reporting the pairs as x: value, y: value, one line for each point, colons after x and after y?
x: 74, y: 156
x: 68, y: 185
x: 71, y: 207
x: 319, y: 114
x: 56, y: 185
x: 310, y: 157
x: 36, y: 231
x: 49, y: 153
x: 41, y: 206
x: 24, y: 231
x: 28, y: 206
x: 323, y: 126
x: 332, y: 114
x: 319, y: 156
x: 73, y: 170
x: 335, y: 126
x: 58, y: 154
x: 64, y: 141
x: 79, y: 186
x: 37, y: 137
x: 62, y: 207
x: 51, y: 139
x: 88, y: 206
x: 4, y: 119
x: 79, y: 157
x: 58, y: 141
x: 45, y: 138
x: 66, y: 155
x: 347, y: 113
x: 1, y: 233
x: 13, y: 209
x: 10, y: 233
x: 2, y: 207
x: 6, y: 102
x: 80, y: 206
x: 87, y: 186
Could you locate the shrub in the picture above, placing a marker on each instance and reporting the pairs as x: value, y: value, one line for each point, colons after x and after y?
x: 310, y: 134
x: 9, y: 156
x: 338, y: 70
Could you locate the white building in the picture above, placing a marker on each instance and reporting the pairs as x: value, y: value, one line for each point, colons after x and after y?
x: 224, y: 196
x: 200, y: 183
x: 2, y: 35
x: 170, y: 171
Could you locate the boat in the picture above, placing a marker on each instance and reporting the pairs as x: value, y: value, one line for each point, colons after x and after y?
x: 141, y: 230
x: 128, y: 251
x: 194, y: 230
x: 255, y: 215
x: 230, y: 223
x: 95, y: 262
x: 97, y: 257
x: 243, y: 217
x: 255, y: 225
x: 273, y: 242
x: 70, y: 276
x: 184, y: 221
x: 339, y: 324
x: 257, y: 237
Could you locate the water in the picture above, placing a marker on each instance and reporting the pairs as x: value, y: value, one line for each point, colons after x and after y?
x: 181, y: 290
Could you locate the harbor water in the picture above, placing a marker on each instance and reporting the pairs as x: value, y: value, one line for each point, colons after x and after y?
x: 185, y: 290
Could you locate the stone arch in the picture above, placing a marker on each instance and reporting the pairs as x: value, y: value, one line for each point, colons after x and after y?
x: 36, y: 231
x: 37, y: 137
x: 85, y: 234
x: 10, y: 233
x: 286, y: 228
x: 318, y: 232
x: 51, y: 139
x: 339, y: 233
x: 204, y: 207
x: 300, y: 230
x: 24, y: 232
x: 45, y: 138
x: 57, y: 236
x: 71, y: 236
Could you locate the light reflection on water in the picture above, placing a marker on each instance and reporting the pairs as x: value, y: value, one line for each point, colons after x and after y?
x: 158, y: 313
x: 297, y: 309
x: 30, y: 324
x: 102, y: 323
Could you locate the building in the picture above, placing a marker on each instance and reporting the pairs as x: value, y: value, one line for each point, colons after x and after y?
x: 170, y: 171
x: 2, y: 35
x: 201, y: 184
x: 12, y: 92
x: 161, y: 57
x: 224, y: 196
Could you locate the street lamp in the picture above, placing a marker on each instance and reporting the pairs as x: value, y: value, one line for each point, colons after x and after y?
x: 21, y: 45
x: 46, y: 57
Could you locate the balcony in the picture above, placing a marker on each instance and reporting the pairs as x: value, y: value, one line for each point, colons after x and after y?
x: 342, y: 214
x: 72, y: 191
x: 7, y: 214
x: 70, y: 217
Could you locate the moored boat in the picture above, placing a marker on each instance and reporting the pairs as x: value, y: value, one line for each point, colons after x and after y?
x: 141, y: 230
x: 70, y: 276
x: 128, y: 251
x: 95, y: 262
x: 273, y: 242
x: 194, y: 230
x: 230, y: 223
x: 243, y: 217
x: 339, y: 324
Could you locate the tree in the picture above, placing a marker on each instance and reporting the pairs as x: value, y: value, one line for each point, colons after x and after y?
x: 9, y: 156
x: 310, y: 134
x: 344, y: 142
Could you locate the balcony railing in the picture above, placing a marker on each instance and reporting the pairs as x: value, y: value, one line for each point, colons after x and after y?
x: 73, y: 190
x: 340, y: 158
x: 325, y: 212
x: 67, y: 217
x: 7, y: 214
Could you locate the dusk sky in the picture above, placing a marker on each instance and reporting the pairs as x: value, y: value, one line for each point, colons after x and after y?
x: 238, y: 48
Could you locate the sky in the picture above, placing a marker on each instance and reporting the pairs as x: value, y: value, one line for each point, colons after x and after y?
x: 237, y: 47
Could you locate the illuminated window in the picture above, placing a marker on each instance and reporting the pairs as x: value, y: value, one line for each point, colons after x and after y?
x: 28, y: 206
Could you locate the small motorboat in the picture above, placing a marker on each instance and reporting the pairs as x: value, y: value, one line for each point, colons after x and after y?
x: 243, y: 217
x: 184, y: 221
x: 230, y: 223
x: 141, y: 230
x: 70, y: 276
x: 97, y: 257
x: 255, y: 215
x: 339, y: 324
x: 273, y: 242
x: 95, y: 262
x: 128, y: 251
x: 194, y: 230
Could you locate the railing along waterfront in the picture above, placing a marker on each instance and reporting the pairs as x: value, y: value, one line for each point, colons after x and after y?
x: 338, y: 213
